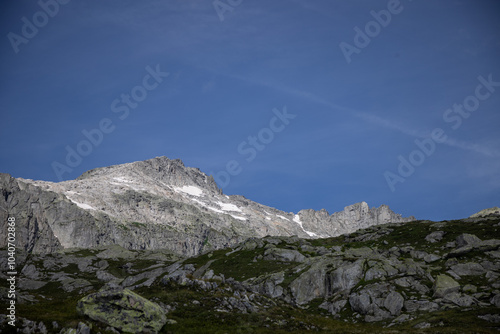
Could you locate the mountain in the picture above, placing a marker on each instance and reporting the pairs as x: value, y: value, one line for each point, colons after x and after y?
x: 158, y: 204
x: 491, y: 212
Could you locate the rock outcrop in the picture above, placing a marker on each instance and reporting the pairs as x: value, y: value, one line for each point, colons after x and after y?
x: 392, y: 275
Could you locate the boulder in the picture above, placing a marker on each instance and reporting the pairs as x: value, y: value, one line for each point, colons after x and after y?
x: 123, y: 309
x: 420, y: 305
x: 311, y: 284
x: 71, y: 284
x: 334, y: 307
x: 345, y: 277
x: 444, y: 285
x: 468, y: 269
x: 283, y: 255
x: 495, y: 300
x: 435, y: 236
x: 459, y: 299
x: 467, y: 240
x: 360, y: 303
x: 394, y: 303
x: 30, y: 272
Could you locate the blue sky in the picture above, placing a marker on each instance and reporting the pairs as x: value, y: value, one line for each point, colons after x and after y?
x: 356, y: 102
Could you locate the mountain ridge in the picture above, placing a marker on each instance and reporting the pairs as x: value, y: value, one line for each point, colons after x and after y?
x: 161, y: 203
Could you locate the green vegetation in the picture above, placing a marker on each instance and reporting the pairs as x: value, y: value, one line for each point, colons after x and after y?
x: 193, y: 309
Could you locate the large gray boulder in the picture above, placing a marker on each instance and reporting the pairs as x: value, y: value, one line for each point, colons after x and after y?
x: 360, y: 303
x: 444, y: 285
x: 283, y: 255
x: 467, y: 240
x: 394, y: 302
x: 124, y: 310
x: 311, y: 284
x: 468, y: 269
x: 345, y: 277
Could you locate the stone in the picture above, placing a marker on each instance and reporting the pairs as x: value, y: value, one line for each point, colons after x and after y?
x: 30, y: 272
x: 83, y: 328
x: 345, y: 277
x: 105, y: 276
x: 422, y: 325
x: 364, y: 252
x: 150, y: 277
x: 444, y: 285
x: 467, y: 240
x: 459, y: 299
x: 28, y: 284
x: 394, y: 302
x: 123, y: 310
x: 283, y: 255
x: 378, y: 315
x: 468, y: 269
x: 429, y: 258
x: 360, y: 303
x: 451, y: 262
x: 435, y: 236
x: 420, y: 305
x: 495, y: 300
x: 71, y: 284
x: 469, y: 288
x: 334, y: 307
x: 403, y: 282
x: 495, y: 318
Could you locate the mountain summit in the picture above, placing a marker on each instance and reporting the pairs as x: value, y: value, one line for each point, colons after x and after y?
x: 158, y: 204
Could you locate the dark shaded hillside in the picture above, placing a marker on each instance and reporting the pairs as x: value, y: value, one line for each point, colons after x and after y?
x: 411, y: 277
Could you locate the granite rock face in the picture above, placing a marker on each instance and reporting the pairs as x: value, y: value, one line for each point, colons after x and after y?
x: 158, y: 204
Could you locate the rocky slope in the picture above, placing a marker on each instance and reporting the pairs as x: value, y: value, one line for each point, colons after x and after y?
x: 436, y: 277
x: 158, y: 204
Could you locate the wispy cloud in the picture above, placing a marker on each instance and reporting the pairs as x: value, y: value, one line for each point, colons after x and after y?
x: 373, y: 118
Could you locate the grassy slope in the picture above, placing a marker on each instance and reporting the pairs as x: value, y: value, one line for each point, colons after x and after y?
x: 56, y: 305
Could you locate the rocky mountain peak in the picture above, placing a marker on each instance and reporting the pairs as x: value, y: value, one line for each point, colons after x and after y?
x: 161, y: 170
x: 495, y: 211
x: 160, y: 204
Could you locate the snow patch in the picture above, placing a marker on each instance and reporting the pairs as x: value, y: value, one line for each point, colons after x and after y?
x: 229, y: 207
x: 214, y: 209
x: 237, y: 217
x: 83, y: 205
x: 298, y: 221
x: 206, y: 206
x: 190, y: 190
x: 279, y: 216
x: 121, y: 179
